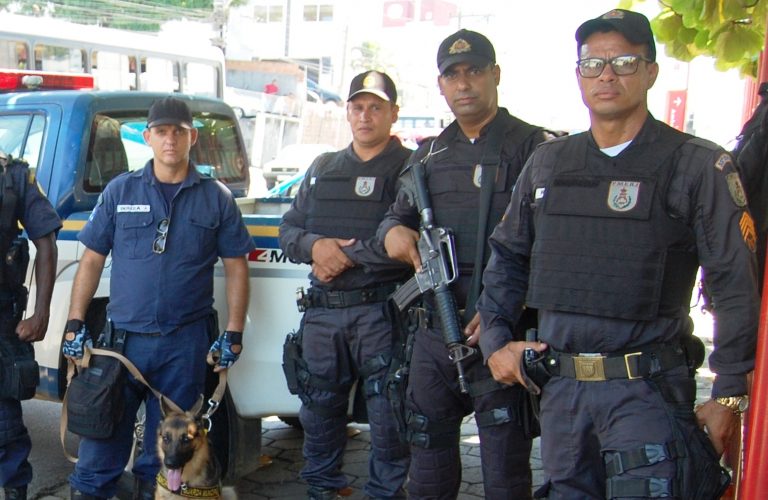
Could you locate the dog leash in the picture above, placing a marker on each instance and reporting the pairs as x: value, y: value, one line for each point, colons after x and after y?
x: 88, y: 352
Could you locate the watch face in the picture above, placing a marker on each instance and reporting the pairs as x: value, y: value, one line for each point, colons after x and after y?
x: 743, y: 403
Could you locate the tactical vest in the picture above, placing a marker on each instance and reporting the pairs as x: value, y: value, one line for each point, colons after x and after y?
x: 454, y: 186
x: 346, y: 201
x: 14, y: 251
x: 605, y: 244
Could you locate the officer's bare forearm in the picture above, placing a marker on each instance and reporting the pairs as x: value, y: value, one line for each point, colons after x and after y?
x: 46, y: 256
x: 236, y: 274
x: 85, y: 283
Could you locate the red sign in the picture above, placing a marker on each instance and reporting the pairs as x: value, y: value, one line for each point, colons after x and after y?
x: 397, y: 13
x: 676, y: 100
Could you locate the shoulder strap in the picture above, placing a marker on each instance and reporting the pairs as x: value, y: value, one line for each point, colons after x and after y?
x: 489, y: 165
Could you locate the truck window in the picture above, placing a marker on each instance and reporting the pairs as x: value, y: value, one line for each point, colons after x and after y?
x: 21, y: 136
x: 116, y: 145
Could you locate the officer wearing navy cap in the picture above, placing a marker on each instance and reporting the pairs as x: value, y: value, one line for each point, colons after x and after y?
x: 604, y: 234
x: 347, y: 331
x: 165, y: 226
x: 471, y: 169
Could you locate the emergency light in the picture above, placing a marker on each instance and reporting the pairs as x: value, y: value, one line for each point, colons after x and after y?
x: 22, y: 80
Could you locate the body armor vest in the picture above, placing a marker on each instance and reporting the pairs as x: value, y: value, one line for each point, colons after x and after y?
x: 605, y: 244
x: 14, y: 251
x: 346, y: 201
x: 454, y: 187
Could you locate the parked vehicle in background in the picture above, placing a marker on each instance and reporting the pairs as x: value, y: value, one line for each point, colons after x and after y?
x: 291, y: 160
x: 320, y: 94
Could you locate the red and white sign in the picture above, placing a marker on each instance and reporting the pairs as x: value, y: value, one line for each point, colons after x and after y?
x: 676, y: 101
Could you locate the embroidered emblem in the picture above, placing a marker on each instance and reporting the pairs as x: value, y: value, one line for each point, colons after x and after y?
x: 614, y: 14
x: 747, y: 227
x: 622, y: 195
x: 721, y: 162
x: 736, y: 189
x: 539, y: 193
x: 477, y: 176
x: 364, y: 186
x: 369, y: 81
x: 460, y: 46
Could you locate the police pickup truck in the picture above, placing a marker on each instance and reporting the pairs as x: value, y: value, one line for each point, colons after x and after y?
x: 75, y: 141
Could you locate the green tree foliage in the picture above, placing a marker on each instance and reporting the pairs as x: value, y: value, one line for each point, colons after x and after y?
x: 136, y: 15
x: 730, y: 31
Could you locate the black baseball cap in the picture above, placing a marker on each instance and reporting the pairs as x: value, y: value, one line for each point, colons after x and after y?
x: 634, y: 26
x: 465, y: 46
x: 170, y: 111
x: 373, y: 82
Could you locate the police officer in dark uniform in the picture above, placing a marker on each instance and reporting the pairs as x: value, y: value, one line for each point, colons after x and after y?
x: 21, y: 201
x: 483, y: 138
x: 603, y: 235
x: 165, y: 226
x: 347, y: 332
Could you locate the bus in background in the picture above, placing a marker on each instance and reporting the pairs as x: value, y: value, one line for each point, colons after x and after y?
x: 413, y: 128
x: 117, y: 59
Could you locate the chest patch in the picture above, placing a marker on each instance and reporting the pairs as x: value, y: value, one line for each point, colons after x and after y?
x: 132, y: 208
x: 477, y: 176
x: 622, y: 195
x: 364, y: 186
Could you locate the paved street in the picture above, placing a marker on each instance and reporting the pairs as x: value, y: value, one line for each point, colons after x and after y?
x: 281, y: 453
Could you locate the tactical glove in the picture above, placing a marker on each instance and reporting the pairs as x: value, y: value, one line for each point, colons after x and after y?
x: 76, y: 337
x: 226, y: 349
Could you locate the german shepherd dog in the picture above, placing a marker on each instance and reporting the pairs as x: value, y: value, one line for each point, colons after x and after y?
x: 189, y: 468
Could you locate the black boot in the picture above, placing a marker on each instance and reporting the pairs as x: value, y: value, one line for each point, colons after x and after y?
x: 79, y: 495
x: 143, y: 489
x: 19, y: 493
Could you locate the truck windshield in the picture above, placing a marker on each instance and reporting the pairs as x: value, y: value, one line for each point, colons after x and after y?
x: 117, y: 145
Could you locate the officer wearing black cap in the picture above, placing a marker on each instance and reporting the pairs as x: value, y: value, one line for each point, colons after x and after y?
x: 165, y: 225
x: 604, y: 235
x: 471, y: 169
x: 347, y: 333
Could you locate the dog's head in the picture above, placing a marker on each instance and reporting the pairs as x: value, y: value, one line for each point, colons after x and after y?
x: 180, y: 437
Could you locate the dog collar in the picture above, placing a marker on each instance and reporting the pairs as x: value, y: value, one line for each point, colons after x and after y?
x: 190, y: 492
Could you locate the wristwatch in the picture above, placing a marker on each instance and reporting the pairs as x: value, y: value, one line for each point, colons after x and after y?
x: 737, y: 404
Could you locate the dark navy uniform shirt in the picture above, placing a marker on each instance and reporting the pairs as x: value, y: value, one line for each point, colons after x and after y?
x: 705, y: 193
x: 151, y: 292
x: 38, y: 217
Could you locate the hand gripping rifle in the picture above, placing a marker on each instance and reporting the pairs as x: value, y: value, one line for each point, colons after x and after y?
x: 438, y: 270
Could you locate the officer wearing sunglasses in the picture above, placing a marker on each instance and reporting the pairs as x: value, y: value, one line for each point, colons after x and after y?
x: 604, y: 234
x: 165, y: 225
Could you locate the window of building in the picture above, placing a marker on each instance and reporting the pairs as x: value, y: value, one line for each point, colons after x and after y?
x: 268, y: 13
x: 318, y: 12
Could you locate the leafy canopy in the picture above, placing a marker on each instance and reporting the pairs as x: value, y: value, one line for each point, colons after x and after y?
x: 730, y: 31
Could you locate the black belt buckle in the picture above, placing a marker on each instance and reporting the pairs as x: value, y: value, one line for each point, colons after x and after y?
x: 334, y: 299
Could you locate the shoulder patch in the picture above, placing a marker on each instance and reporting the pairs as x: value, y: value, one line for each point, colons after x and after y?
x: 704, y: 143
x: 723, y: 161
x: 747, y: 228
x: 736, y: 189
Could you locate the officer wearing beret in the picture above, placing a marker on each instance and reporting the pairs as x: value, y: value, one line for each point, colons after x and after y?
x: 347, y: 331
x: 485, y: 144
x: 604, y: 235
x: 21, y: 201
x: 165, y: 226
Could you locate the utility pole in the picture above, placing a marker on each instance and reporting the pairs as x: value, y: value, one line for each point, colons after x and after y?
x: 220, y: 16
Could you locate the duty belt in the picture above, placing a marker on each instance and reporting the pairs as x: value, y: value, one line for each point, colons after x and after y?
x: 334, y: 299
x: 595, y: 367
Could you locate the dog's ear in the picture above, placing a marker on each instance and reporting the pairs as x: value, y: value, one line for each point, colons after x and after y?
x: 197, y: 410
x: 164, y: 408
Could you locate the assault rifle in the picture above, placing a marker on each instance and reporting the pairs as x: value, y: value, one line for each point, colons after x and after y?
x: 438, y: 270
